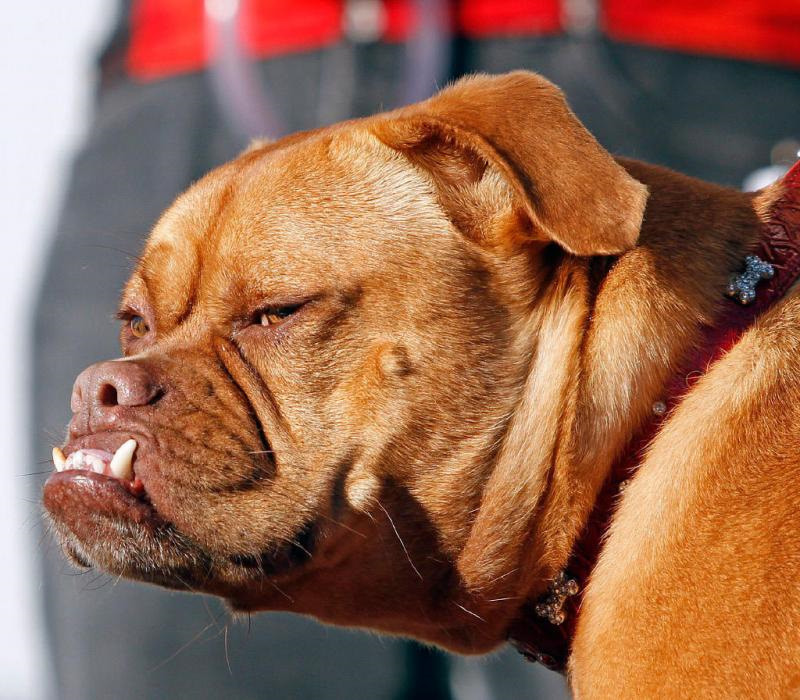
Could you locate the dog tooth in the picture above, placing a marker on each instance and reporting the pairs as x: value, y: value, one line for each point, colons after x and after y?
x: 59, y: 459
x: 95, y: 464
x: 122, y: 462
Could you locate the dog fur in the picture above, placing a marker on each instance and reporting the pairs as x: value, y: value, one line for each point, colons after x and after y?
x: 487, y: 306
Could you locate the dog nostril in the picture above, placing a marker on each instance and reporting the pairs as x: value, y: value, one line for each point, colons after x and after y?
x: 107, y: 395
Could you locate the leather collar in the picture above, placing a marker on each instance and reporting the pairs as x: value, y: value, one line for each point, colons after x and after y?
x: 544, y: 630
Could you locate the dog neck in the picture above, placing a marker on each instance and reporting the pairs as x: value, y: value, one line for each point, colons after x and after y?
x: 634, y: 368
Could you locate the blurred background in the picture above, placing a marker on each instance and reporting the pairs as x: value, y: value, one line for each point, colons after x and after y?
x: 113, y: 107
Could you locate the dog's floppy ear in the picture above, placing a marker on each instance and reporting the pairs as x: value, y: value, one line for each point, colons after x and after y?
x: 512, y: 140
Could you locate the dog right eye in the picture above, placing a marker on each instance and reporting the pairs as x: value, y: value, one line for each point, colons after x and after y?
x: 276, y: 316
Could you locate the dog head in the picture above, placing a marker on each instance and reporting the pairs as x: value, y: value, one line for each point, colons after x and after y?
x: 345, y: 358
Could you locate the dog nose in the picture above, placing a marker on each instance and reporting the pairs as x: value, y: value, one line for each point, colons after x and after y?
x: 110, y: 384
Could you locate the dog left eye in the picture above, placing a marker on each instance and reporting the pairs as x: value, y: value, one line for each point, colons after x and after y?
x: 276, y: 316
x: 138, y: 326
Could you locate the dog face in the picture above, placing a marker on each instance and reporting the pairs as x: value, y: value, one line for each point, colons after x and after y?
x: 327, y: 343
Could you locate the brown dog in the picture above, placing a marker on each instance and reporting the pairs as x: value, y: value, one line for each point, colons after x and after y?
x: 378, y: 373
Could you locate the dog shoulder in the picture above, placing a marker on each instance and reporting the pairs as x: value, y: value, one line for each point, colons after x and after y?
x: 686, y: 587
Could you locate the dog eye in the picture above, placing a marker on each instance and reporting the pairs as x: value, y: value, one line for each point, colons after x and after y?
x: 277, y: 315
x: 139, y: 326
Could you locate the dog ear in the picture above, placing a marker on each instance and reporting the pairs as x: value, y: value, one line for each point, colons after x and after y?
x: 509, y: 146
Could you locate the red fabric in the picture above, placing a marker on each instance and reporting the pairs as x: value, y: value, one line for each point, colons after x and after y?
x: 779, y: 244
x: 169, y: 36
x: 400, y: 20
x: 277, y: 26
x: 762, y: 30
x: 166, y: 38
x: 477, y: 18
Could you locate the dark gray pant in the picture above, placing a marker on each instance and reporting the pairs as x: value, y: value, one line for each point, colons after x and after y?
x: 712, y: 118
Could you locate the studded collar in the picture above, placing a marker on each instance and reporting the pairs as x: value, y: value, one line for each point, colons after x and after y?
x: 544, y: 630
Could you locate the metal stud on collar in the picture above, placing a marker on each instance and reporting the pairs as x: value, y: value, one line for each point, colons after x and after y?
x: 742, y: 287
x: 552, y: 606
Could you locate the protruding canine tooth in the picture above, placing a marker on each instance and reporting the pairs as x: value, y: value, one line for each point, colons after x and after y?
x: 122, y: 463
x: 59, y: 459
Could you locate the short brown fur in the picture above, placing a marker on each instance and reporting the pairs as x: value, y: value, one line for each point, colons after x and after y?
x: 445, y: 405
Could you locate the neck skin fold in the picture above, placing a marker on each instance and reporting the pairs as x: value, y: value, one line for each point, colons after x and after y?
x: 604, y: 351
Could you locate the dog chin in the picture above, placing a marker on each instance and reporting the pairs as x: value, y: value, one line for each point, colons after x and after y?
x: 111, y: 523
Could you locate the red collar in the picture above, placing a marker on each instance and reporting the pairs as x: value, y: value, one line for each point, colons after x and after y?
x: 544, y: 630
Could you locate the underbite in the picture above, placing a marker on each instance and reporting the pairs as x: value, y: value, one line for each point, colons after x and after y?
x: 118, y: 465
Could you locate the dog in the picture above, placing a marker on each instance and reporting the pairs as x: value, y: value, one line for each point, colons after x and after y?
x: 383, y: 372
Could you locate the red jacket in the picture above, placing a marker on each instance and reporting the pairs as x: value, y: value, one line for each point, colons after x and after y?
x: 169, y: 36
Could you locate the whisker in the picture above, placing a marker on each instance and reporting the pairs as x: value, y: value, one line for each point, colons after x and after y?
x: 277, y: 588
x: 341, y: 524
x: 184, y: 647
x: 189, y: 587
x: 469, y: 612
x: 101, y: 576
x: 132, y: 256
x: 399, y: 539
x: 295, y: 543
x: 502, y: 576
x: 227, y: 657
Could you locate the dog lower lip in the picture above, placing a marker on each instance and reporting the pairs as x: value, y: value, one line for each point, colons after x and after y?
x: 78, y: 497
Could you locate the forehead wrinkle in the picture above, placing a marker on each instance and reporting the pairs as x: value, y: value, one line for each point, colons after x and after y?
x: 291, y: 214
x: 224, y: 284
x: 175, y: 257
x: 356, y: 183
x: 349, y: 177
x: 135, y: 293
x: 221, y: 296
x: 278, y: 221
